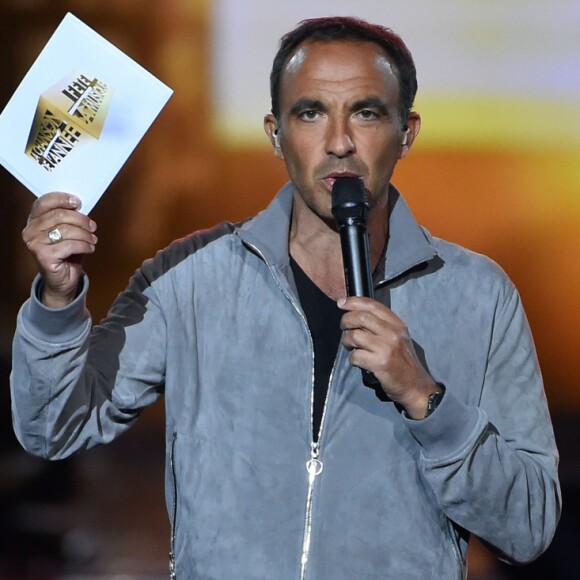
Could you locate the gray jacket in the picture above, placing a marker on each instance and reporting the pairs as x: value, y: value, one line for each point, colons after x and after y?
x: 214, y: 323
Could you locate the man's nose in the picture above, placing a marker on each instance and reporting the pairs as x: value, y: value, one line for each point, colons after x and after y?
x: 339, y: 141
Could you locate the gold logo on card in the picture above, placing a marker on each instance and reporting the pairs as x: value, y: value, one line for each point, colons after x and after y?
x: 69, y: 114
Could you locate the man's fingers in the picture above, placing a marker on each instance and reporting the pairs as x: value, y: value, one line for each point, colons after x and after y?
x: 370, y: 306
x: 50, y: 257
x: 51, y: 201
x: 68, y: 251
x: 353, y: 339
x: 56, y: 224
x: 374, y: 322
x: 67, y: 233
x: 58, y: 235
x: 358, y: 319
x: 363, y: 339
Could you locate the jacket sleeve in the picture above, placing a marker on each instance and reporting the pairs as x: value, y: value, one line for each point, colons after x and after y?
x: 493, y: 467
x: 74, y: 387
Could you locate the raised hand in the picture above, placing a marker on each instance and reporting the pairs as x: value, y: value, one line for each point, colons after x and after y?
x: 58, y: 235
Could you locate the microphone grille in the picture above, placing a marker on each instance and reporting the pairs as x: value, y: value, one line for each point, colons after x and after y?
x: 349, y: 200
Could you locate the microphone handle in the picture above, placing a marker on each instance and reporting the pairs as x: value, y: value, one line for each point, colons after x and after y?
x: 354, y: 242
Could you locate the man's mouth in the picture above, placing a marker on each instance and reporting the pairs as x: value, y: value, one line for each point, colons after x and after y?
x: 332, y: 177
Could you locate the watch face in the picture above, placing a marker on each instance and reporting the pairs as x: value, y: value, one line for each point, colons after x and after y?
x: 433, y: 402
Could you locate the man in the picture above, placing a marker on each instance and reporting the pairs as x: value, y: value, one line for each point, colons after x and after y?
x: 281, y: 463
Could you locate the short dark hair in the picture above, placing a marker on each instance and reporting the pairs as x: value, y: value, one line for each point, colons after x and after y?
x: 334, y: 28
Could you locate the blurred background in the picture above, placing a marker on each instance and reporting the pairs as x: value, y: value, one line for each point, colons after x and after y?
x: 496, y: 168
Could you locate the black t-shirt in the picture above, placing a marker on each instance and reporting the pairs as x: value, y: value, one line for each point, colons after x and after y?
x: 323, y: 317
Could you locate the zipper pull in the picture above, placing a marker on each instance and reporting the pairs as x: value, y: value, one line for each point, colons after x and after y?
x: 314, y: 466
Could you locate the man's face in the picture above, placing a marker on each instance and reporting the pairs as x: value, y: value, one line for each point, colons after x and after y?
x: 339, y: 115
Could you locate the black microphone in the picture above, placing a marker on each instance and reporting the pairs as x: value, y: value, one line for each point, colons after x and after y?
x: 350, y: 208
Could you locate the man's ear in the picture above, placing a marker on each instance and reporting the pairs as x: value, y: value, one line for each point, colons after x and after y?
x: 273, y: 131
x: 409, y: 134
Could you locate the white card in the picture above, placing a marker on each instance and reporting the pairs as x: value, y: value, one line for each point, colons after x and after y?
x: 77, y: 115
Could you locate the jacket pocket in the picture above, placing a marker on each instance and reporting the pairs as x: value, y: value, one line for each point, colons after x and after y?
x: 172, y: 570
x: 452, y: 539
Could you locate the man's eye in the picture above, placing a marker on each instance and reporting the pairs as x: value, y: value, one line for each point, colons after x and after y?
x: 367, y: 114
x: 309, y: 115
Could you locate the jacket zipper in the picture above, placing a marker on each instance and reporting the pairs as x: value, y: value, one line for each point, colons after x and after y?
x: 172, y: 572
x: 314, y: 465
x: 455, y: 550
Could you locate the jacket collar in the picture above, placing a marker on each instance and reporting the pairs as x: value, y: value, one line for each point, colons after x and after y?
x: 407, y: 247
x: 408, y: 244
